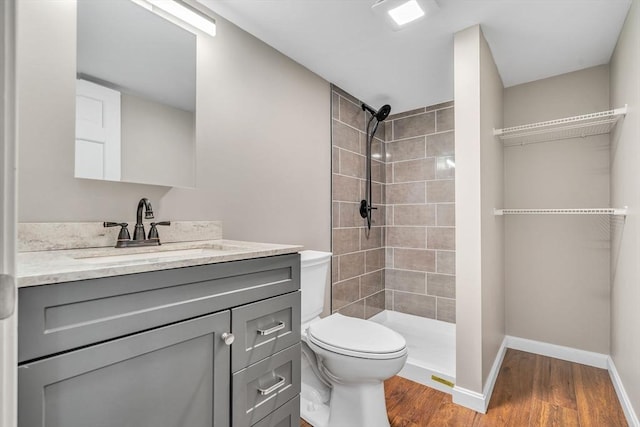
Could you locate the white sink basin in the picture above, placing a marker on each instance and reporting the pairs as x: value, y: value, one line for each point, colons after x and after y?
x: 148, y: 256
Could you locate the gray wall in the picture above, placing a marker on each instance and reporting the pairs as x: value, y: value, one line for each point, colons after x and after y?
x: 158, y: 143
x: 263, y: 151
x: 479, y: 180
x: 557, y: 266
x: 625, y: 179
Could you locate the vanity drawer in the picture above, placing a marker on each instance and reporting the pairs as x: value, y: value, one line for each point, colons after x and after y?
x: 59, y: 317
x: 264, y: 328
x: 263, y: 387
x: 288, y: 415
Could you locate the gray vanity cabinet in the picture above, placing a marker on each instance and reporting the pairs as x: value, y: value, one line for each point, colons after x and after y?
x: 149, y: 350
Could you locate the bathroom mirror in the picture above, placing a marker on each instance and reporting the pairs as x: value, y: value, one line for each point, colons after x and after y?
x: 135, y: 96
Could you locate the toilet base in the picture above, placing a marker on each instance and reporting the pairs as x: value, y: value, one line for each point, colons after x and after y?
x: 358, y: 405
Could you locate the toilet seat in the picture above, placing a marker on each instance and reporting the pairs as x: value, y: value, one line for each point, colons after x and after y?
x: 354, y: 337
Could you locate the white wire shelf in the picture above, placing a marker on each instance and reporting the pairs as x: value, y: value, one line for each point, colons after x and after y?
x: 583, y: 211
x: 569, y: 127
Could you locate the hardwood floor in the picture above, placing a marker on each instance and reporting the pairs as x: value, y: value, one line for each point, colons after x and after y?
x: 530, y: 391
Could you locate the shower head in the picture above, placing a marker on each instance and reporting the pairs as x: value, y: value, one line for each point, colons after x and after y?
x: 381, y: 114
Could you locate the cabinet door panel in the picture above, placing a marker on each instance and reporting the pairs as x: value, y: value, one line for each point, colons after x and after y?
x: 175, y: 376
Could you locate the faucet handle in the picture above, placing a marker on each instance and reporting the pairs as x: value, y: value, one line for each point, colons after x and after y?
x: 124, y: 231
x: 153, y: 232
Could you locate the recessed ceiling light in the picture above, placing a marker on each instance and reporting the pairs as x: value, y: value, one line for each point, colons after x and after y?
x: 399, y: 13
x: 406, y: 12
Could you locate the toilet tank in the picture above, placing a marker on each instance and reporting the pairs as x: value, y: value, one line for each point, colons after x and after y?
x: 314, y: 275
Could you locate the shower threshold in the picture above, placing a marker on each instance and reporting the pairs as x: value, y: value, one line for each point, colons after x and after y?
x: 432, y: 348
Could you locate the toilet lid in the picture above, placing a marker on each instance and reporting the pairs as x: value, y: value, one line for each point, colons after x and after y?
x: 356, y: 337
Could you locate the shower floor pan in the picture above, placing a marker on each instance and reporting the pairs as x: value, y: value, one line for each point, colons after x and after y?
x: 432, y: 348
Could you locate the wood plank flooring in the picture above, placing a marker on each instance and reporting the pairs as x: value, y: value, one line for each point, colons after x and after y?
x: 530, y: 391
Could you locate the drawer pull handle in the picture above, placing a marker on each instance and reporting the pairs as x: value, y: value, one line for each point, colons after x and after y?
x: 271, y: 330
x: 269, y: 390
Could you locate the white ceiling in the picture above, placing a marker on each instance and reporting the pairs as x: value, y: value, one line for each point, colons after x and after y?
x: 344, y: 42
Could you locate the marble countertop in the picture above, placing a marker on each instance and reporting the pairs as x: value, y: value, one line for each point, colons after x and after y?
x: 55, y: 266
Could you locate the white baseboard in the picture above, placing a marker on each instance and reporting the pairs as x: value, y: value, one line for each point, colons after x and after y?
x: 589, y: 358
x: 474, y: 400
x: 623, y: 397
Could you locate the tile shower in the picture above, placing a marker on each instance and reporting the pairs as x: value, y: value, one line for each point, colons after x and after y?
x: 406, y: 263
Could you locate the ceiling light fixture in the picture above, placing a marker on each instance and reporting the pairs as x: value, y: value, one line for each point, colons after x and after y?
x: 182, y: 11
x: 402, y: 12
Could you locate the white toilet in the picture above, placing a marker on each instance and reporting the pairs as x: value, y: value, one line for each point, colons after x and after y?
x: 344, y: 360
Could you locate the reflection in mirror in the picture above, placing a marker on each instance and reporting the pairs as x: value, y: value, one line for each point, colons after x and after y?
x: 135, y: 96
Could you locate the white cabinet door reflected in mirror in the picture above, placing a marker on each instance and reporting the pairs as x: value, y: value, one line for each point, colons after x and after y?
x: 97, y: 132
x: 151, y: 63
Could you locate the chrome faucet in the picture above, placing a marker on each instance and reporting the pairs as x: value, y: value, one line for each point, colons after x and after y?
x: 138, y: 232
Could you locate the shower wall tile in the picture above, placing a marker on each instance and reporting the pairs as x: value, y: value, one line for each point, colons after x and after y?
x: 441, y: 191
x: 416, y: 304
x: 445, y: 168
x: 411, y: 126
x: 439, y: 106
x: 374, y: 304
x: 351, y: 265
x: 352, y: 164
x: 441, y: 238
x: 440, y: 144
x: 420, y: 243
x: 335, y: 160
x: 441, y: 285
x: 355, y: 309
x: 414, y: 170
x: 345, y: 240
x: 378, y: 171
x: 406, y: 237
x: 407, y: 261
x: 345, y: 137
x: 414, y: 215
x: 346, y: 292
x: 335, y: 106
x: 414, y: 259
x: 406, y: 113
x: 414, y: 148
x: 411, y: 192
x: 372, y: 283
x: 444, y: 120
x: 446, y: 310
x: 341, y: 92
x: 402, y: 280
x: 349, y: 215
x: 388, y: 299
x: 446, y: 214
x: 351, y: 114
x: 446, y: 262
x: 371, y: 239
x: 359, y: 257
x: 346, y: 188
x: 374, y: 260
